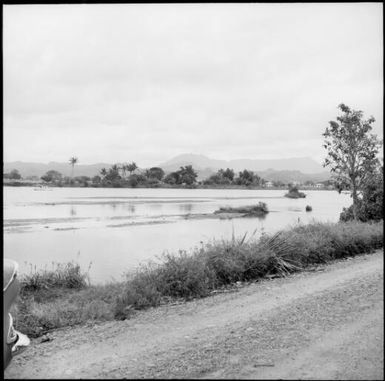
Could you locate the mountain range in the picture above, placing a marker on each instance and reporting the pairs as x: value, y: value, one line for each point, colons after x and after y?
x: 290, y: 169
x: 302, y: 164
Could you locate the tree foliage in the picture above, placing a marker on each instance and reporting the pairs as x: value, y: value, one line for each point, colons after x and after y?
x: 246, y: 177
x: 351, y: 152
x: 13, y: 175
x: 73, y: 160
x: 155, y: 173
x: 222, y: 177
x: 52, y: 176
x: 370, y: 206
x: 185, y: 175
x: 132, y: 167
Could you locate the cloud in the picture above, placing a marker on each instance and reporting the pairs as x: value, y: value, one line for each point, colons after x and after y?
x: 144, y: 82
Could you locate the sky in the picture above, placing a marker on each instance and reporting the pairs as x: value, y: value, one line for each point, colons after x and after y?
x: 129, y: 82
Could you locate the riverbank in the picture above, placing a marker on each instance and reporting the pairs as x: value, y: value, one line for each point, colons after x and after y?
x: 325, y: 323
x: 61, y: 297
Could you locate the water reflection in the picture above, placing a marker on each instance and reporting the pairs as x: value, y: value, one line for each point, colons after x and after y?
x: 186, y: 208
x: 294, y: 209
x: 73, y: 211
x: 130, y: 207
x: 259, y: 217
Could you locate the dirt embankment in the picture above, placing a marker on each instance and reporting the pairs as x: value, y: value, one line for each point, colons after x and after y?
x: 324, y: 324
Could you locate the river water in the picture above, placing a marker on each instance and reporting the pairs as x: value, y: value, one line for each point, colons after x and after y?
x: 115, y: 229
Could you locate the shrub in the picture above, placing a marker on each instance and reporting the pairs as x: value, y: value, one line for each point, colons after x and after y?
x: 295, y: 193
x: 308, y: 208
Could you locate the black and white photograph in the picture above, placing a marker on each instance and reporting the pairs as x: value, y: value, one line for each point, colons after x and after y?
x: 193, y: 191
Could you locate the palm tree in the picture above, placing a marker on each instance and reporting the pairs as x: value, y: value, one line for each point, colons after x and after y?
x: 73, y: 161
x: 124, y: 169
x: 132, y: 167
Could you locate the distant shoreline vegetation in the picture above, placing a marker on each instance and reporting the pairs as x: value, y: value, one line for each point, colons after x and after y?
x: 130, y: 176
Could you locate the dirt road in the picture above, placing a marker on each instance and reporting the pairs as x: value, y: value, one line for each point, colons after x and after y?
x: 323, y: 324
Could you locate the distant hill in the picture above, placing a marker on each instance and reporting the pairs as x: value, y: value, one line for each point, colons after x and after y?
x: 39, y: 169
x: 302, y: 164
x: 289, y: 176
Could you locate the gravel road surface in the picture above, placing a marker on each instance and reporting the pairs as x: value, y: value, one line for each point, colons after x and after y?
x: 320, y: 324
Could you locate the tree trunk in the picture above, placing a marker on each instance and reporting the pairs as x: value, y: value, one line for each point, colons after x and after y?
x: 355, y: 201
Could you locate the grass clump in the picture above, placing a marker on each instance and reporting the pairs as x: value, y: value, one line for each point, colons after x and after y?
x: 259, y: 209
x: 68, y: 275
x: 38, y: 312
x: 188, y: 275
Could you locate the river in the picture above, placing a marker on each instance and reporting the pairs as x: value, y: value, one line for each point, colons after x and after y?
x: 113, y: 230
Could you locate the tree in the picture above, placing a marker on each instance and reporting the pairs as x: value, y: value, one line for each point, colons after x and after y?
x: 103, y: 172
x: 370, y: 207
x: 52, y: 176
x: 222, y: 177
x: 155, y: 173
x: 187, y: 175
x: 113, y: 174
x: 351, y: 151
x: 171, y: 178
x: 73, y: 161
x: 13, y: 175
x: 131, y: 167
x: 245, y: 177
x: 96, y: 179
x: 226, y: 174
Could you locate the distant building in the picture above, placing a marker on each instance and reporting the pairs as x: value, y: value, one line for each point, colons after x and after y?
x: 269, y: 184
x: 319, y: 185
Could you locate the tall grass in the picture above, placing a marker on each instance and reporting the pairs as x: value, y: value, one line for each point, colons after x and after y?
x: 67, y: 275
x: 219, y: 263
x: 187, y: 275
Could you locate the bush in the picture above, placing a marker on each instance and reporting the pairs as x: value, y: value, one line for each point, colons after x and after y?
x: 308, y: 208
x: 295, y: 193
